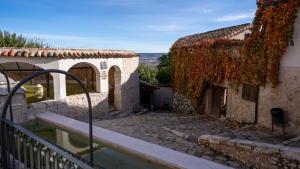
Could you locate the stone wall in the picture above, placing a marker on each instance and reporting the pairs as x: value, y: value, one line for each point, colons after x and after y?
x: 254, y: 154
x: 286, y: 96
x: 239, y: 109
x: 182, y: 104
x: 74, y: 106
x: 130, y: 85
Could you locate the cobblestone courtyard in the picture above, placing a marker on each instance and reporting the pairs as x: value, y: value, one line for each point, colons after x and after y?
x: 167, y: 129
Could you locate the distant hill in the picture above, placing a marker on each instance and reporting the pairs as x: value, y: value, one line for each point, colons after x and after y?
x: 150, y: 58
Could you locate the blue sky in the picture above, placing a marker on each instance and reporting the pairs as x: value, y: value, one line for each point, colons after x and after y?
x: 137, y: 25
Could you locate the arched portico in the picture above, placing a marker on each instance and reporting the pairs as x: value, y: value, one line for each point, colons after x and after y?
x: 115, y: 88
x: 88, y: 74
x: 38, y: 89
x: 121, y: 65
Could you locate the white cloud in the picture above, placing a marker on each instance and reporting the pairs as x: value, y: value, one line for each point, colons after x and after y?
x: 166, y: 28
x: 55, y: 37
x: 235, y: 17
x: 207, y: 11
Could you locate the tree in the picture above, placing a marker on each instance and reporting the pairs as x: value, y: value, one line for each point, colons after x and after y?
x: 8, y: 39
x: 164, y: 69
x: 147, y: 74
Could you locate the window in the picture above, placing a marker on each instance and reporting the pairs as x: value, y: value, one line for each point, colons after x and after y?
x: 250, y: 92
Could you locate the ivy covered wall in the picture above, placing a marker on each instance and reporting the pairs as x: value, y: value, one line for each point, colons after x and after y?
x: 255, y: 60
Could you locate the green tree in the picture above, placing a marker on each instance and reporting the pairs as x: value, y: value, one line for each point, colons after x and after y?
x: 8, y: 39
x: 164, y: 69
x: 147, y: 74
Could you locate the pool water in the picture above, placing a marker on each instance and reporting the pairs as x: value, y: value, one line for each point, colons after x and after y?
x: 103, y: 156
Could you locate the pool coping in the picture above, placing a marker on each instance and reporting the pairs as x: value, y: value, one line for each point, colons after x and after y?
x: 138, y: 148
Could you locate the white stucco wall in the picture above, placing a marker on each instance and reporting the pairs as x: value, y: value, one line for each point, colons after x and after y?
x: 44, y: 63
x: 127, y: 66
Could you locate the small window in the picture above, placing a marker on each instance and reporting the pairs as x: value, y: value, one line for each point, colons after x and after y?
x: 250, y: 92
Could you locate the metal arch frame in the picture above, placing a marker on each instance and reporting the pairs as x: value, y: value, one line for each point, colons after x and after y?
x: 36, y: 74
x: 8, y: 91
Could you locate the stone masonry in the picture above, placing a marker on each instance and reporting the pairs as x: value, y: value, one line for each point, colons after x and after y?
x: 239, y: 109
x: 74, y: 106
x: 285, y: 96
x: 254, y: 154
x: 182, y: 104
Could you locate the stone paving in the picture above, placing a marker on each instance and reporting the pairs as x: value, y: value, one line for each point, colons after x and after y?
x: 156, y: 127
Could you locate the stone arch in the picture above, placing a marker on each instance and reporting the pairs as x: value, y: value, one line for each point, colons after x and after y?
x: 114, y: 88
x: 87, y: 73
x: 38, y: 89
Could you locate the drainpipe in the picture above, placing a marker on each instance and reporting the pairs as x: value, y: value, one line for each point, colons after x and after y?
x: 256, y: 105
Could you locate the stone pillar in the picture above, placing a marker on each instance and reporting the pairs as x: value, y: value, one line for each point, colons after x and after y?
x: 59, y: 84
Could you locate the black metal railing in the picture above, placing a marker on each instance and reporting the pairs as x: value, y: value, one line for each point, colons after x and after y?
x: 26, y: 150
x: 8, y: 91
x: 21, y: 148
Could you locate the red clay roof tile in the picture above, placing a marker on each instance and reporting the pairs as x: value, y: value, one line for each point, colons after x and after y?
x: 63, y: 53
x: 210, y: 36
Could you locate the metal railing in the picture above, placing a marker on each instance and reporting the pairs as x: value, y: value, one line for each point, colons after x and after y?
x: 24, y: 150
x: 21, y: 148
x: 8, y: 91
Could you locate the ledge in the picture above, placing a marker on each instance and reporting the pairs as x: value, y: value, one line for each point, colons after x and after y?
x: 138, y: 148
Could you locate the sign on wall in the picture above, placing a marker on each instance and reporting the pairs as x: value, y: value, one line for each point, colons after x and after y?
x: 103, y: 65
x: 103, y: 75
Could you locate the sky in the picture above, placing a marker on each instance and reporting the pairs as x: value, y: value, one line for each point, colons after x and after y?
x: 135, y: 25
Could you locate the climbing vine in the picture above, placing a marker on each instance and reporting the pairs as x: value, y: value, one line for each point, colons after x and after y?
x: 255, y: 60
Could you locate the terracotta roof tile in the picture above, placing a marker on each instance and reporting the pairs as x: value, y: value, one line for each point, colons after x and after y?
x: 18, y: 54
x: 25, y: 54
x: 223, y: 33
x: 11, y: 52
x: 63, y: 53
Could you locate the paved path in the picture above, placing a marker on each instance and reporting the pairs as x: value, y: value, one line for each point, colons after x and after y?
x: 155, y: 128
x: 151, y: 128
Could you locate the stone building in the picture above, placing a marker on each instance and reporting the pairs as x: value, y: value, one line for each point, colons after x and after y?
x: 217, y: 96
x: 253, y: 105
x: 110, y: 73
